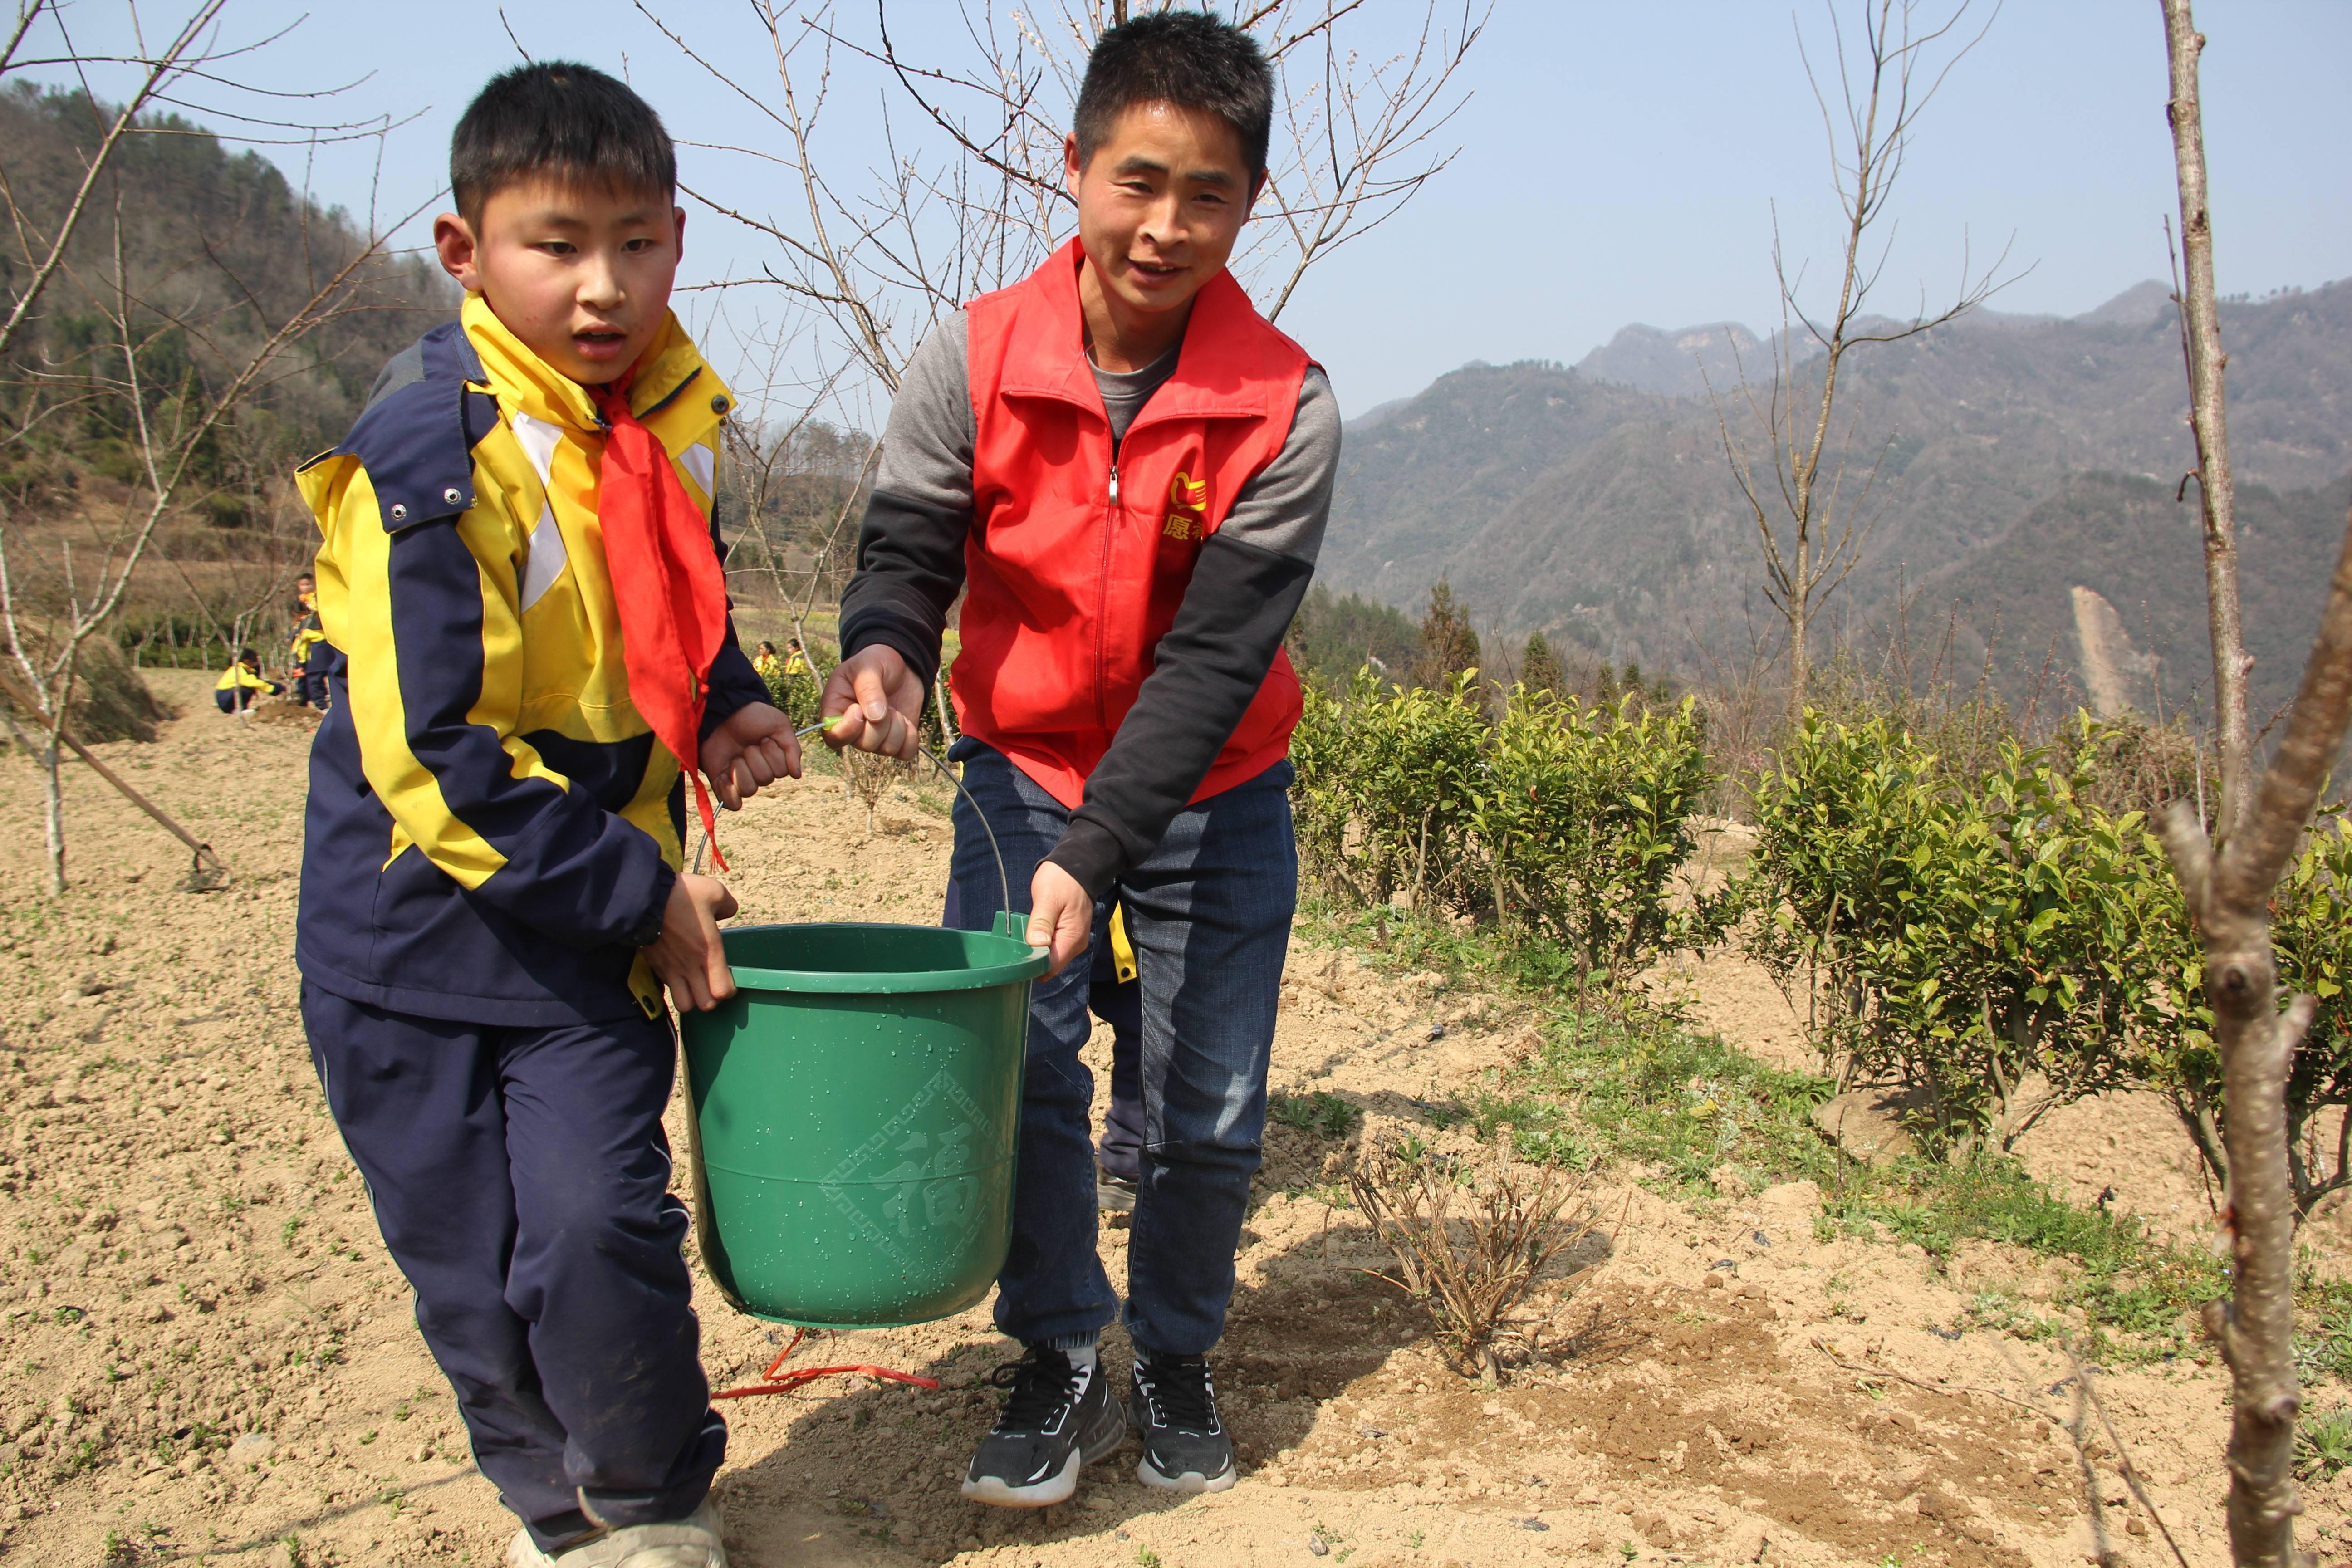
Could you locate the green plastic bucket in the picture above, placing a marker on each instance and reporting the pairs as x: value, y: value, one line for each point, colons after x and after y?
x: 854, y: 1116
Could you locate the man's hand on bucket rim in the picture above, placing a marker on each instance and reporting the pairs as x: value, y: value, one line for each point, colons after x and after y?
x: 873, y: 702
x: 1061, y: 915
x: 686, y: 957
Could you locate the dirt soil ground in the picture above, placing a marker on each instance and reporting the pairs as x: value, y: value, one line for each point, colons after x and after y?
x: 210, y: 1358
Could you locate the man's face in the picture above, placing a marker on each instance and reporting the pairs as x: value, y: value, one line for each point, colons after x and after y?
x: 1160, y: 203
x: 582, y: 276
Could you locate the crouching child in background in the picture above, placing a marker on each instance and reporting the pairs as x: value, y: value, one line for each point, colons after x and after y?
x: 529, y: 615
x: 240, y: 683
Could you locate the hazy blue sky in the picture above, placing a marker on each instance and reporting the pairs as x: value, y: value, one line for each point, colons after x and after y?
x: 1620, y: 161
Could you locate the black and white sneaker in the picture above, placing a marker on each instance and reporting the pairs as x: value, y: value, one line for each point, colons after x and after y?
x: 1185, y: 1446
x: 1058, y: 1420
x: 1114, y: 1193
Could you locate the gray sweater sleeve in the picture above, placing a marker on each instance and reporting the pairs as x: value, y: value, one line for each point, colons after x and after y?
x: 911, y: 545
x: 1247, y: 584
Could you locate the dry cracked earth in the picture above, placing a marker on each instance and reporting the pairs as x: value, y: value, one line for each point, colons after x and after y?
x: 209, y: 1358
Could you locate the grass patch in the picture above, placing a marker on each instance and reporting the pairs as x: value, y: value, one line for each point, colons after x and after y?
x: 2322, y: 1444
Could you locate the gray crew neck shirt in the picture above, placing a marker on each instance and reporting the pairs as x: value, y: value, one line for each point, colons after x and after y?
x: 1125, y: 391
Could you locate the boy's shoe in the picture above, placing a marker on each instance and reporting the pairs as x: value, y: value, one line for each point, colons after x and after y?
x: 1113, y: 1191
x: 690, y: 1543
x: 1185, y: 1446
x: 1058, y: 1419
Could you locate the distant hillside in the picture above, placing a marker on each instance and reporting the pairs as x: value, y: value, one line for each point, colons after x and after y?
x: 1604, y: 514
x: 1680, y: 364
x: 220, y: 242
x: 2021, y: 602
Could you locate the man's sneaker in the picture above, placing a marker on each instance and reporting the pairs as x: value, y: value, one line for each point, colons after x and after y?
x: 1058, y: 1420
x: 1185, y: 1446
x: 690, y: 1542
x: 1113, y: 1191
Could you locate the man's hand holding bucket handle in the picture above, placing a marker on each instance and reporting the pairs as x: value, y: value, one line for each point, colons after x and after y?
x: 872, y: 702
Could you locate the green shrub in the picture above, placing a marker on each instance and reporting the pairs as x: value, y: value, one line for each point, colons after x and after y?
x: 1995, y: 938
x: 2311, y: 937
x: 1583, y: 825
x: 2322, y: 1444
x: 1567, y: 824
x: 1388, y: 786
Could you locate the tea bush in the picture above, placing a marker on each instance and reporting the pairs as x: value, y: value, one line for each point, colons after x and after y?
x: 1388, y: 783
x: 1583, y: 821
x: 2311, y: 936
x: 2006, y: 940
x: 1562, y: 822
x: 1995, y: 938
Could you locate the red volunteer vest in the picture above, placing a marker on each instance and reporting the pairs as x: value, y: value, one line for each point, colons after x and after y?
x: 1074, y: 565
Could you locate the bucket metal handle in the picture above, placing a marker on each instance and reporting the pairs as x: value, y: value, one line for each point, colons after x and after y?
x: 1007, y: 923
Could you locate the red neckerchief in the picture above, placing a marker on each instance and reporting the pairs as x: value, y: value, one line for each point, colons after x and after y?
x: 667, y: 583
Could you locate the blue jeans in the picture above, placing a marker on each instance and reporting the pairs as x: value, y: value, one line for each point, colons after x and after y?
x: 1209, y: 914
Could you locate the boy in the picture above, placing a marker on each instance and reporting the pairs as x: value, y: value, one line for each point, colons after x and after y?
x: 1129, y: 471
x: 313, y: 660
x: 517, y: 567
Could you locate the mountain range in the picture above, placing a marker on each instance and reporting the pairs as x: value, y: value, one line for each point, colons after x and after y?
x: 2002, y: 462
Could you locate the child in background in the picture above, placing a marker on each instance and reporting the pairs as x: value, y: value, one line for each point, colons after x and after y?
x: 518, y: 566
x: 304, y: 615
x: 235, y: 690
x: 770, y: 667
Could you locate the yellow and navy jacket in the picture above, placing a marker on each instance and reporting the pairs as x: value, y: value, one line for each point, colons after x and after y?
x: 238, y: 675
x: 492, y: 826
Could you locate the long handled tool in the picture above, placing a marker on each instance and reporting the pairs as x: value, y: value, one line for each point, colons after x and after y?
x: 209, y: 871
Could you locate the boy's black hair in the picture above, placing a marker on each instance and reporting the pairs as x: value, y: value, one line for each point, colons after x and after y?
x: 560, y: 119
x: 1190, y: 59
x: 249, y: 656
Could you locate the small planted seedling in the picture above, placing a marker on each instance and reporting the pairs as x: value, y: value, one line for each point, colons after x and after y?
x: 2322, y: 1444
x: 1322, y: 1113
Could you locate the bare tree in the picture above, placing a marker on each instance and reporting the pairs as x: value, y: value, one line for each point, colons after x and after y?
x: 968, y: 197
x: 2229, y: 881
x: 2200, y: 345
x: 51, y: 603
x: 1792, y: 467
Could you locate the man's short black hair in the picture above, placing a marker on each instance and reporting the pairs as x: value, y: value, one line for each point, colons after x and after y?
x: 1189, y: 58
x: 559, y: 119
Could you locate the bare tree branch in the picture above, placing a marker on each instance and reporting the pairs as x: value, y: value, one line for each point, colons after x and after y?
x: 1810, y: 536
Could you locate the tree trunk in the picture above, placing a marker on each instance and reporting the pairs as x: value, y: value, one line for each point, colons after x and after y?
x: 1800, y: 664
x: 2201, y: 332
x: 53, y: 818
x: 2229, y: 889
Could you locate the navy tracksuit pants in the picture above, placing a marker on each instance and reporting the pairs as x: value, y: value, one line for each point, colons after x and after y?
x: 520, y: 1177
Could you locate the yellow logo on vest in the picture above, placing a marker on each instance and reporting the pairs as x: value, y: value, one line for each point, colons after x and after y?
x: 1189, y: 495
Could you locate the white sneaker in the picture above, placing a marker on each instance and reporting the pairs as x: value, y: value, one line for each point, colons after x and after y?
x: 693, y: 1542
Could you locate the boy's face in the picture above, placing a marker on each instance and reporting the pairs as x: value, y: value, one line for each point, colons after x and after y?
x: 1160, y: 204
x: 582, y: 276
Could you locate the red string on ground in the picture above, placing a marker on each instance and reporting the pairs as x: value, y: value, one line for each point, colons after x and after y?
x: 775, y: 1380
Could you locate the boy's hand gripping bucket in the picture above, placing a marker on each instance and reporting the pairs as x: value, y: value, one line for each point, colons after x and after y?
x: 853, y: 1117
